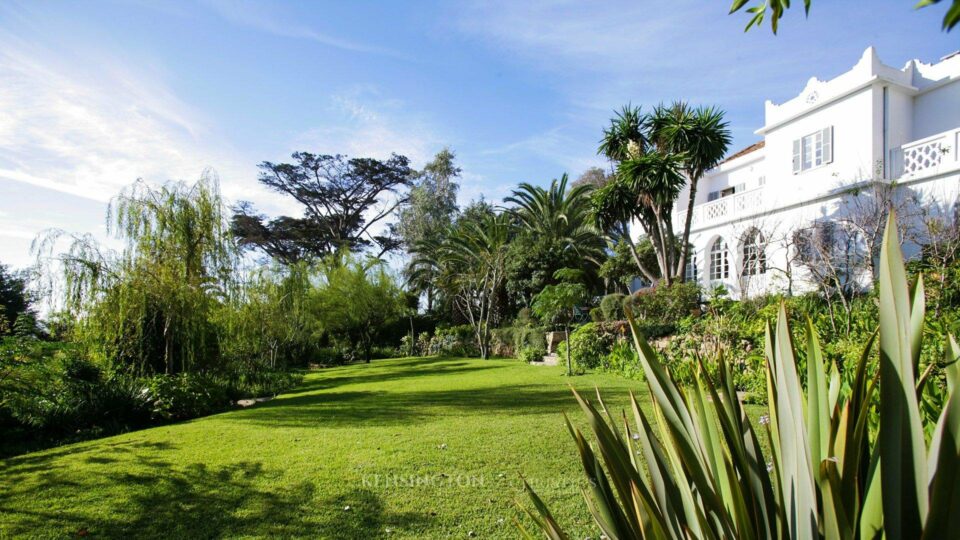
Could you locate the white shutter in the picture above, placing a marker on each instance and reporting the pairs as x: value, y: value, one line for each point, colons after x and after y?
x: 827, y: 138
x: 740, y: 188
x: 796, y: 156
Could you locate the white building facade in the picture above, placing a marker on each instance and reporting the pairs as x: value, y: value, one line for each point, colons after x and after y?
x: 828, y: 156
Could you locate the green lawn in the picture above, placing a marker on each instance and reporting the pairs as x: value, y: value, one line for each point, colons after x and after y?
x: 416, y: 448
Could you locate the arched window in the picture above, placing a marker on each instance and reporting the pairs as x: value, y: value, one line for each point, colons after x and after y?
x: 754, y: 253
x: 719, y: 260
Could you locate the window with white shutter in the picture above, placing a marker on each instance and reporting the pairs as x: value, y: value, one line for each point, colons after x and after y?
x: 813, y: 150
x: 827, y: 137
x: 796, y: 156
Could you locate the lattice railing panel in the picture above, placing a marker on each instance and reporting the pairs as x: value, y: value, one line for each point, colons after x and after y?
x: 922, y: 156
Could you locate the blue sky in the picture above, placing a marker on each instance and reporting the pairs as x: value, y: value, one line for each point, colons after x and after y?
x: 96, y: 94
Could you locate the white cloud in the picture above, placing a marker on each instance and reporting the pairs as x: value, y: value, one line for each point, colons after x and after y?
x: 90, y: 132
x: 266, y: 18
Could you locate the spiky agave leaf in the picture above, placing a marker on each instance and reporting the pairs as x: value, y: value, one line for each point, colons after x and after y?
x: 827, y: 477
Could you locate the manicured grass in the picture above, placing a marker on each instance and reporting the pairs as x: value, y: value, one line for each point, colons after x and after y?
x: 416, y: 448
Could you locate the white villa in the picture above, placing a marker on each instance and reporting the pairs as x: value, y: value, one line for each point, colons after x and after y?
x: 821, y: 153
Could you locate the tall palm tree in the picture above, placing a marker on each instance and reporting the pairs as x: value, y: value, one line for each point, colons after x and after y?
x: 701, y: 136
x: 560, y: 216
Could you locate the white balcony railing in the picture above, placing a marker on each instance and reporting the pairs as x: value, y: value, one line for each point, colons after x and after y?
x: 931, y: 155
x: 725, y: 208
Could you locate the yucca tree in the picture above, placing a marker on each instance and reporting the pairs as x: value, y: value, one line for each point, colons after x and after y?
x: 701, y: 137
x: 697, y: 468
x: 655, y: 155
x: 644, y: 190
x: 559, y: 216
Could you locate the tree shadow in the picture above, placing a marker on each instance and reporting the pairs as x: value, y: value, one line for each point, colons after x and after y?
x: 152, y: 498
x: 393, y: 408
x: 380, y: 373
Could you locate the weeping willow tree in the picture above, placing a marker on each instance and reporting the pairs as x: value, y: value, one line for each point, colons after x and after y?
x: 149, y: 308
x: 267, y: 319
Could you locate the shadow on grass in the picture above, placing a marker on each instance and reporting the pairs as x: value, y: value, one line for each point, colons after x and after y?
x: 151, y: 498
x: 385, y: 371
x: 387, y: 408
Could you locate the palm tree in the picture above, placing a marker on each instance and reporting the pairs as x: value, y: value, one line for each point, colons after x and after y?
x: 560, y: 217
x: 701, y: 137
x: 469, y: 266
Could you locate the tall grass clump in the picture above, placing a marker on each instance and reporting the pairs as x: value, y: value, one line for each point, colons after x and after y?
x: 847, y: 453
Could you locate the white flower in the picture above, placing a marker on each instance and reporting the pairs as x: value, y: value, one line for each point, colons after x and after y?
x: 769, y: 466
x: 636, y: 436
x: 764, y: 419
x: 347, y: 508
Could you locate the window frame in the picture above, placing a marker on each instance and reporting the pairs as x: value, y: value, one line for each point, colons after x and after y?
x: 754, y: 253
x: 719, y: 260
x: 814, y: 146
x: 691, y: 272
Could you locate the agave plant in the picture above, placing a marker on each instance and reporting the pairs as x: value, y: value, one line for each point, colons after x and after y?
x: 697, y: 468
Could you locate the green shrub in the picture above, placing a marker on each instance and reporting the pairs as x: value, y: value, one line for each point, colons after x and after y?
x: 611, y: 306
x: 622, y: 360
x: 184, y: 395
x: 659, y: 309
x: 454, y: 341
x: 69, y: 397
x: 530, y: 337
x: 254, y: 383
x: 509, y: 341
x: 589, y: 344
x: 531, y: 354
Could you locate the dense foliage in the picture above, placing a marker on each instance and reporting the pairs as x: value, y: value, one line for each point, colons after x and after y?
x: 848, y: 455
x: 16, y: 313
x: 174, y: 325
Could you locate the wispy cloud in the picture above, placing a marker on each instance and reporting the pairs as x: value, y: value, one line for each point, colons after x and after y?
x: 365, y: 123
x: 265, y: 18
x: 553, y: 145
x: 91, y: 132
x: 602, y: 55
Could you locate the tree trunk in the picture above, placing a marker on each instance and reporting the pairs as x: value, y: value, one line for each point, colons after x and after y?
x: 413, y: 338
x: 566, y: 337
x: 681, y: 270
x: 636, y: 256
